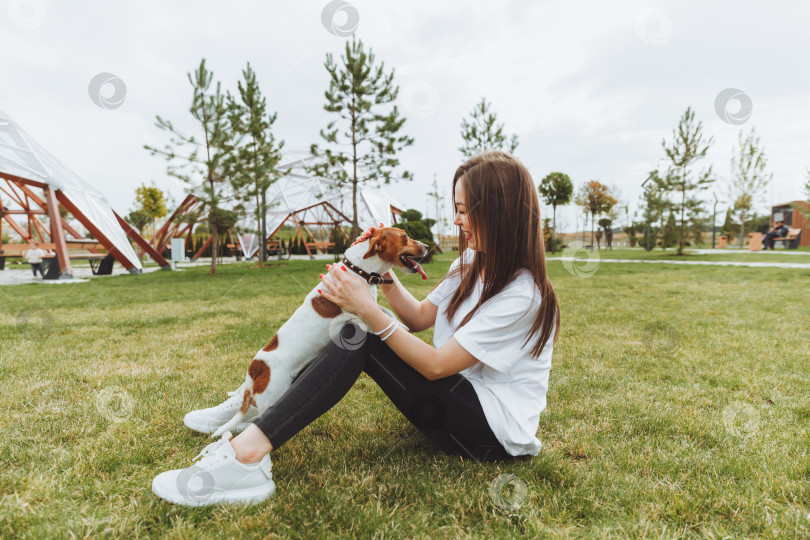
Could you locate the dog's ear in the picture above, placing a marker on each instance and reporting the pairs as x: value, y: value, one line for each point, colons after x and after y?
x: 375, y: 245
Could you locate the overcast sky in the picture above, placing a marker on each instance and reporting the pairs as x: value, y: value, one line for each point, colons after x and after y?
x: 590, y: 88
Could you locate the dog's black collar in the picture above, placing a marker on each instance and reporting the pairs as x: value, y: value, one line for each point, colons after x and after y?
x: 372, y: 278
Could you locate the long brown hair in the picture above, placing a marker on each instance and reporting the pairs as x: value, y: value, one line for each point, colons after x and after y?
x: 504, y: 213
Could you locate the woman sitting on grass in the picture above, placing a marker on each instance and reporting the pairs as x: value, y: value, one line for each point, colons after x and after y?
x: 478, y: 393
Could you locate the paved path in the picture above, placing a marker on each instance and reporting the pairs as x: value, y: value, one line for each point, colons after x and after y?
x: 694, y: 263
x: 765, y: 253
x: 23, y: 274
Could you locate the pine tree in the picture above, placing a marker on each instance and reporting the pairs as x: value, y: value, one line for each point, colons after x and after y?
x: 654, y: 205
x: 556, y: 190
x: 482, y: 132
x: 257, y: 154
x: 670, y: 234
x: 730, y: 227
x: 748, y: 177
x: 688, y: 146
x: 202, y: 162
x: 359, y: 90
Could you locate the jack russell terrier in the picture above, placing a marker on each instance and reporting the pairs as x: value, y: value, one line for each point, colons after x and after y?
x: 304, y: 336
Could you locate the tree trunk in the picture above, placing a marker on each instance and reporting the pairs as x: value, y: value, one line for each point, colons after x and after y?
x: 214, y: 247
x: 355, y: 223
x: 683, y: 209
x: 554, y: 230
x: 593, y: 215
x: 263, y: 221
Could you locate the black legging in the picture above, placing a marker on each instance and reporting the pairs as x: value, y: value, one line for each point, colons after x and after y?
x: 446, y: 411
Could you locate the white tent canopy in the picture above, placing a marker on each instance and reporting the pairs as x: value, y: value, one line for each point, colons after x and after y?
x: 298, y: 189
x: 22, y: 156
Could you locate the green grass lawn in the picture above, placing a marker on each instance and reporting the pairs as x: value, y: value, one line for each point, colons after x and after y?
x: 678, y: 406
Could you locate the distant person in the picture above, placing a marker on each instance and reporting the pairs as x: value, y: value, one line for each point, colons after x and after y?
x: 609, y: 237
x: 34, y: 257
x: 598, y: 238
x: 779, y: 230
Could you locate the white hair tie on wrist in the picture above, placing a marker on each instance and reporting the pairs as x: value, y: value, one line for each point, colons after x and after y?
x: 391, y: 333
x: 387, y: 328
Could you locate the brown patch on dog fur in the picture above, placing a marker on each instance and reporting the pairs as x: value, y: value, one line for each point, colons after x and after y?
x: 260, y: 374
x: 246, y: 399
x: 325, y: 308
x: 273, y: 345
x: 389, y: 243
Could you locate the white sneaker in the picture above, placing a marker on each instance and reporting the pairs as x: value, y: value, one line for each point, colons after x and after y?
x: 217, y: 478
x: 209, y: 420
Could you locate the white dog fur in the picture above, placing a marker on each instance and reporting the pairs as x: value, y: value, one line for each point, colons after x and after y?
x: 309, y: 330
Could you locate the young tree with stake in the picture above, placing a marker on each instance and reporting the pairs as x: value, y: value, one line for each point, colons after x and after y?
x: 359, y: 90
x: 257, y: 152
x: 748, y: 177
x: 688, y: 145
x: 202, y: 162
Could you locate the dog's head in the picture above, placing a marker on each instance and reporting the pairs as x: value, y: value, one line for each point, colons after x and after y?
x: 395, y: 247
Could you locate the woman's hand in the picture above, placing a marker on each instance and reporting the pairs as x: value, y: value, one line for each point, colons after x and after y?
x: 349, y: 291
x: 366, y: 234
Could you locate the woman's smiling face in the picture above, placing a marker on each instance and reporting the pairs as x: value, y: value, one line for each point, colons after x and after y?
x: 461, y: 218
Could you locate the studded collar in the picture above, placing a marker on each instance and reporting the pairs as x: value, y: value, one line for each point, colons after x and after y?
x: 373, y: 278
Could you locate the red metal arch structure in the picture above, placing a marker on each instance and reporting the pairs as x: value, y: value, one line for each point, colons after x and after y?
x: 297, y: 197
x: 180, y: 224
x: 26, y: 169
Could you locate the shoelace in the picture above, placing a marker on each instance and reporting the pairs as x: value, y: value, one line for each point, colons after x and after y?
x: 209, y: 455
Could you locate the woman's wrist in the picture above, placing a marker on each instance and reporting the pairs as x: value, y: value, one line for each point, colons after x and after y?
x: 368, y: 312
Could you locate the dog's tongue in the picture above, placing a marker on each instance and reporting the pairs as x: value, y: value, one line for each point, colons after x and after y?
x: 419, y: 269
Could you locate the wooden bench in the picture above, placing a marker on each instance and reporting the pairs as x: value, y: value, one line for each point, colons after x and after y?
x: 273, y: 247
x: 321, y: 246
x: 791, y: 241
x: 235, y: 250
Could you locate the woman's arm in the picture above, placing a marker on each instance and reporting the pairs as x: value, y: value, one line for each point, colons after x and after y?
x: 351, y: 293
x: 416, y: 315
x: 432, y: 363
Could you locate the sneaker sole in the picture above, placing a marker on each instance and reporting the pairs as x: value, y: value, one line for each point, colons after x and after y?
x: 208, y: 428
x: 243, y: 496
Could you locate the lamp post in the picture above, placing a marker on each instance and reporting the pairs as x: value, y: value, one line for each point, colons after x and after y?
x: 714, y: 218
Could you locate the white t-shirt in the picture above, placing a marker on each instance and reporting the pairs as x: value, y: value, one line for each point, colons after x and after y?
x: 511, y: 384
x: 34, y: 256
